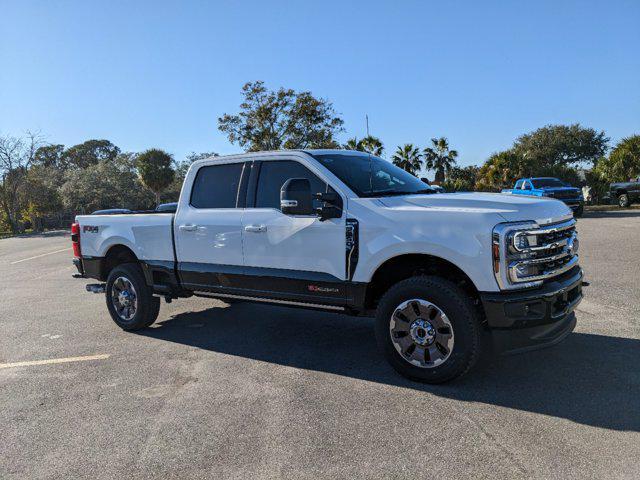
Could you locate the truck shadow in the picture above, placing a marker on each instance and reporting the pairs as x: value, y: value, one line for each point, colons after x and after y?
x: 589, y: 379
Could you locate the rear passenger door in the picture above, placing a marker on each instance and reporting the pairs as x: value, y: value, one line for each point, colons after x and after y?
x: 208, y: 226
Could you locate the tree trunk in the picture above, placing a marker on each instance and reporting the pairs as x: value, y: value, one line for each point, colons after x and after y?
x: 157, y: 198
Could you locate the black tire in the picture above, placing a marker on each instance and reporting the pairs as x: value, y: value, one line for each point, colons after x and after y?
x: 147, y: 306
x: 458, y: 308
x: 623, y: 200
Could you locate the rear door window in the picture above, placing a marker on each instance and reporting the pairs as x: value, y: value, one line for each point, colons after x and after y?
x: 216, y: 186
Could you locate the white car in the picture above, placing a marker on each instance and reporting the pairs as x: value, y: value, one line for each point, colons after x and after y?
x: 347, y: 232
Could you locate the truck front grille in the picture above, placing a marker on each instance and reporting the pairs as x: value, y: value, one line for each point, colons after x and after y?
x: 563, y: 195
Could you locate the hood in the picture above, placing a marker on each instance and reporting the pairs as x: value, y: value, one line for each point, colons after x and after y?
x: 512, y: 208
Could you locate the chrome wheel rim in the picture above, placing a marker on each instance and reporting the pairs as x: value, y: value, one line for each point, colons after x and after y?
x: 124, y: 298
x: 421, y: 333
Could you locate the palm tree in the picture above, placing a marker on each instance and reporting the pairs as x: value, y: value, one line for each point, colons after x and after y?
x: 408, y: 158
x: 369, y: 144
x: 352, y: 144
x: 372, y: 145
x: 438, y: 157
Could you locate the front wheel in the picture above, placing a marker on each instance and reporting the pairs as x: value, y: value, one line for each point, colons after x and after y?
x: 130, y: 300
x: 623, y: 200
x: 428, y: 329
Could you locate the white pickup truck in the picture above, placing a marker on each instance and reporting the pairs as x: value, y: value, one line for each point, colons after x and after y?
x: 348, y: 232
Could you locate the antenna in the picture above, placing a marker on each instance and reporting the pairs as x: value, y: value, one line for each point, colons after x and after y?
x: 366, y: 117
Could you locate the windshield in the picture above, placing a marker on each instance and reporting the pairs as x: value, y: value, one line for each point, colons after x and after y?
x: 370, y: 176
x: 548, y: 182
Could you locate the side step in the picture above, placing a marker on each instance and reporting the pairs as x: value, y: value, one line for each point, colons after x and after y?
x: 96, y: 287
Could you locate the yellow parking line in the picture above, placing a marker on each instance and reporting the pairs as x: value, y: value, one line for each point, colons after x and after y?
x: 43, y: 255
x: 102, y: 356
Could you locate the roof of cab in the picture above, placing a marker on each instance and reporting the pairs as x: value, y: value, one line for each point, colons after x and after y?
x: 271, y: 152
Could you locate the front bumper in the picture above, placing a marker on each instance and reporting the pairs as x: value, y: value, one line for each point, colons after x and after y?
x: 531, y: 319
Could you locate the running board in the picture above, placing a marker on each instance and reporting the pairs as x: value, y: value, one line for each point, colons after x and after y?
x: 269, y: 300
x: 96, y: 287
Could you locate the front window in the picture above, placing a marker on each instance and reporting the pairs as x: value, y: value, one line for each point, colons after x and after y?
x: 370, y: 176
x: 548, y: 182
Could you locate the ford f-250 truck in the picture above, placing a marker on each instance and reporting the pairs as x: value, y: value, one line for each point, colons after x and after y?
x: 347, y: 232
x: 553, y: 188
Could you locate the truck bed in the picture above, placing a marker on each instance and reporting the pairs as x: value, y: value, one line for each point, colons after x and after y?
x: 149, y: 235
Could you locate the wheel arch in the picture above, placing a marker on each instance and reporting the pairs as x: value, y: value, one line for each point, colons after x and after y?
x: 116, y: 255
x: 401, y: 267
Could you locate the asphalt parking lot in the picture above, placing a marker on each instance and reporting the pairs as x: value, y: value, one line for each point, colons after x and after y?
x: 228, y: 391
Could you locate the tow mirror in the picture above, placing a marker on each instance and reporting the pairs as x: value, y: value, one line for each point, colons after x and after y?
x: 296, y: 198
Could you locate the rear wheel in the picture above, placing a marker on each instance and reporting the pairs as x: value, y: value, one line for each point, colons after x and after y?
x: 623, y: 200
x: 428, y: 329
x: 130, y: 300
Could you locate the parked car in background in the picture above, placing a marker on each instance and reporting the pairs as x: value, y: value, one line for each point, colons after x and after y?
x: 552, y: 188
x: 625, y: 193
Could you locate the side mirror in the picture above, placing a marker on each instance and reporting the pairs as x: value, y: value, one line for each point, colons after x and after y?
x: 296, y: 198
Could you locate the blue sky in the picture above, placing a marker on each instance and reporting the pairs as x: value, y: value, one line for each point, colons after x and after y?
x: 159, y: 74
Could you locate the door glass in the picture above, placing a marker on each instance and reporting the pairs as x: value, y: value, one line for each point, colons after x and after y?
x: 274, y: 174
x: 216, y: 186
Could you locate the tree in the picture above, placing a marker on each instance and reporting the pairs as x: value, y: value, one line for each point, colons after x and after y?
x: 107, y: 184
x: 90, y: 153
x: 352, y: 144
x: 369, y: 144
x: 50, y: 156
x: 16, y: 155
x: 156, y: 170
x: 561, y: 145
x: 272, y: 120
x: 40, y: 197
x: 440, y: 158
x: 462, y: 179
x: 408, y: 158
x: 500, y: 171
x: 372, y: 145
x: 623, y: 163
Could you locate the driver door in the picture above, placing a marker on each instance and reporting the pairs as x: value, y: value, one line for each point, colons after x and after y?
x: 297, y: 258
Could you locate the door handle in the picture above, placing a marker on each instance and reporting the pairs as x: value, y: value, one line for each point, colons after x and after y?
x: 255, y: 228
x: 188, y: 228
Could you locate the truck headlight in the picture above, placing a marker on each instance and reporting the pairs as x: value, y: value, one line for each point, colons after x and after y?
x: 526, y: 254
